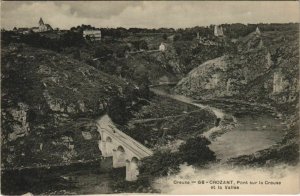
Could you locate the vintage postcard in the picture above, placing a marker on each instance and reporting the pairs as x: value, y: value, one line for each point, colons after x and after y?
x: 149, y: 97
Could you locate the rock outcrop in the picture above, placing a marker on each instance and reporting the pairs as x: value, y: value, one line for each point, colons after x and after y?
x: 255, y: 72
x: 49, y: 103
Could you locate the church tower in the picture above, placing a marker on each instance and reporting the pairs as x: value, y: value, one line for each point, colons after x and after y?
x: 41, y: 22
x: 41, y: 25
x: 257, y: 32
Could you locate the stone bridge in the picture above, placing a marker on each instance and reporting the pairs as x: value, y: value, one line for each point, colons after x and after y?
x: 125, y: 151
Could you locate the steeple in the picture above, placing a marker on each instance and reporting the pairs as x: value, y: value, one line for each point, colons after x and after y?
x: 41, y: 22
x: 257, y: 31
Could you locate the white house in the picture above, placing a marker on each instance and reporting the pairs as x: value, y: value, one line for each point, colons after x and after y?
x: 162, y: 47
x: 279, y: 84
x: 44, y: 27
x: 218, y: 31
x: 257, y: 31
x: 94, y: 35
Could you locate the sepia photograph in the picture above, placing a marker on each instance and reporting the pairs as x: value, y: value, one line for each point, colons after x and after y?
x: 149, y: 97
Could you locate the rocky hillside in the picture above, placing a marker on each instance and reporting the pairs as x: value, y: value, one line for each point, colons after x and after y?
x: 148, y: 65
x: 49, y: 102
x: 262, y: 68
x: 175, y: 62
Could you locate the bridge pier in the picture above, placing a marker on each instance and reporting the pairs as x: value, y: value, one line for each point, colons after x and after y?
x: 132, y: 171
x: 102, y: 148
x: 119, y: 157
x: 109, y: 147
x: 106, y: 147
x: 127, y: 171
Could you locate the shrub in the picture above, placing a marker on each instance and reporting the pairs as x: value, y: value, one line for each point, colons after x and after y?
x: 165, y: 37
x: 103, y: 51
x: 159, y: 165
x: 196, y: 151
x: 117, y: 110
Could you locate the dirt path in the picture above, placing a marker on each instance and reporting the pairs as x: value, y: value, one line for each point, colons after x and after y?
x: 219, y: 113
x: 163, y: 118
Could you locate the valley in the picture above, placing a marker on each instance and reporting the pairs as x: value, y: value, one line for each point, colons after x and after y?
x: 201, y: 100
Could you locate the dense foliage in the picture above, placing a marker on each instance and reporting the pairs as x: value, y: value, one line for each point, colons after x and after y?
x: 194, y: 152
x: 49, y: 40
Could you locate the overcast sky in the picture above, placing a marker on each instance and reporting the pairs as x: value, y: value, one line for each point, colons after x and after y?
x: 149, y: 14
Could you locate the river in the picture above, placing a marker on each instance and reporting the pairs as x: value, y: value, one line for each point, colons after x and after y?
x: 250, y: 133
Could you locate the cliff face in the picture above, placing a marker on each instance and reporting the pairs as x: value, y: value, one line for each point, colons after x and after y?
x: 49, y: 103
x: 263, y: 68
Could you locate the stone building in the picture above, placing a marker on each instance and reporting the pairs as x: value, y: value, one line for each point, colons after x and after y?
x: 162, y: 47
x: 279, y: 84
x: 44, y: 27
x: 218, y: 31
x: 257, y: 31
x: 22, y: 30
x: 35, y: 29
x: 92, y: 35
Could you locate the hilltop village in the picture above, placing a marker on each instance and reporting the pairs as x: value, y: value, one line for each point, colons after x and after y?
x: 134, y: 104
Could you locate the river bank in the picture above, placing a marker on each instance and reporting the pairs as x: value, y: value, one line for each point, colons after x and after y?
x: 252, y: 127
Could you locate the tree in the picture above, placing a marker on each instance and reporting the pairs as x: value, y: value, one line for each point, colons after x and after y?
x: 177, y: 37
x: 71, y: 39
x: 165, y: 37
x: 103, y: 52
x: 159, y: 164
x: 143, y: 45
x: 196, y: 151
x: 117, y: 110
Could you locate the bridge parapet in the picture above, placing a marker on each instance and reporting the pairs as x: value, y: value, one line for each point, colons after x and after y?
x: 126, y: 151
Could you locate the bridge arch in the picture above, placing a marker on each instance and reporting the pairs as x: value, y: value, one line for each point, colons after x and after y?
x: 108, y: 139
x: 106, y: 146
x: 119, y: 157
